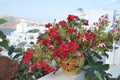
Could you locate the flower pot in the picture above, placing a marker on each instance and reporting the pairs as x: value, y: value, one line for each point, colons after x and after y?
x: 72, y: 66
x: 7, y: 68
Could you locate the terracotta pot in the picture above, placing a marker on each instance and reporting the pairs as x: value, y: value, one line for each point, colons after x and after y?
x: 7, y: 68
x: 72, y: 66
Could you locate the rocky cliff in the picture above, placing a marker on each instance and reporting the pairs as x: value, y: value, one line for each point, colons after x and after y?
x: 13, y: 21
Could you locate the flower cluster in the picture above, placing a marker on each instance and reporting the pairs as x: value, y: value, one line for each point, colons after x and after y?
x: 40, y: 64
x: 69, y: 39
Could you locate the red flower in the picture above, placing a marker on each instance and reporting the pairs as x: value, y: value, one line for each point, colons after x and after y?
x: 27, y: 56
x: 30, y: 71
x: 58, y: 40
x: 64, y: 49
x: 48, y: 69
x: 78, y: 35
x: 41, y: 64
x: 71, y: 17
x: 103, y: 17
x: 118, y: 29
x: 85, y: 23
x: 79, y: 55
x: 48, y: 25
x: 101, y: 45
x: 49, y: 41
x: 46, y: 41
x: 32, y: 65
x: 39, y: 39
x: 88, y: 31
x: 95, y: 23
x: 53, y: 32
x: 93, y: 41
x: 25, y: 61
x: 85, y: 37
x: 92, y: 34
x: 1, y: 49
x: 62, y: 23
x: 51, y: 47
x: 44, y: 65
x: 70, y: 30
x: 55, y: 70
x: 57, y: 53
x: 73, y: 46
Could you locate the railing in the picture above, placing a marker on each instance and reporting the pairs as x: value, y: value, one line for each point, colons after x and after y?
x: 61, y: 76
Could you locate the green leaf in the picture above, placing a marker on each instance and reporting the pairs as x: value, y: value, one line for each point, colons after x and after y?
x: 105, y: 66
x: 2, y: 35
x: 89, y: 60
x: 89, y: 75
x: 99, y: 76
x: 96, y: 54
x: 39, y: 73
x: 4, y: 44
x: 105, y: 54
x: 2, y: 21
x: 18, y: 55
x: 98, y: 63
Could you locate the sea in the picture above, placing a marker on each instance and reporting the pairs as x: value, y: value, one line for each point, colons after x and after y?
x: 7, y: 31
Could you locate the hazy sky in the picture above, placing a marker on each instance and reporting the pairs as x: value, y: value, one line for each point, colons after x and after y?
x: 48, y: 10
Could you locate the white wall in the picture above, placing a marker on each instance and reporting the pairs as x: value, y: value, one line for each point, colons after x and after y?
x: 24, y: 27
x: 96, y: 14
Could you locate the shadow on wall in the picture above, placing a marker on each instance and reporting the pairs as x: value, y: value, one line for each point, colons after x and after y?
x: 118, y: 77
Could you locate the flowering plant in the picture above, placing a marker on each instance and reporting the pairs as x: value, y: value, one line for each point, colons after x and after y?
x: 71, y: 39
x: 3, y: 40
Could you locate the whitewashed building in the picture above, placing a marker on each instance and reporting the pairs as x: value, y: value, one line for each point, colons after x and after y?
x: 113, y: 16
x: 25, y: 34
x: 24, y: 27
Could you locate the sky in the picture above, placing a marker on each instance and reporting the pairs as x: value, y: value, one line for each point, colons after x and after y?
x: 48, y: 10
